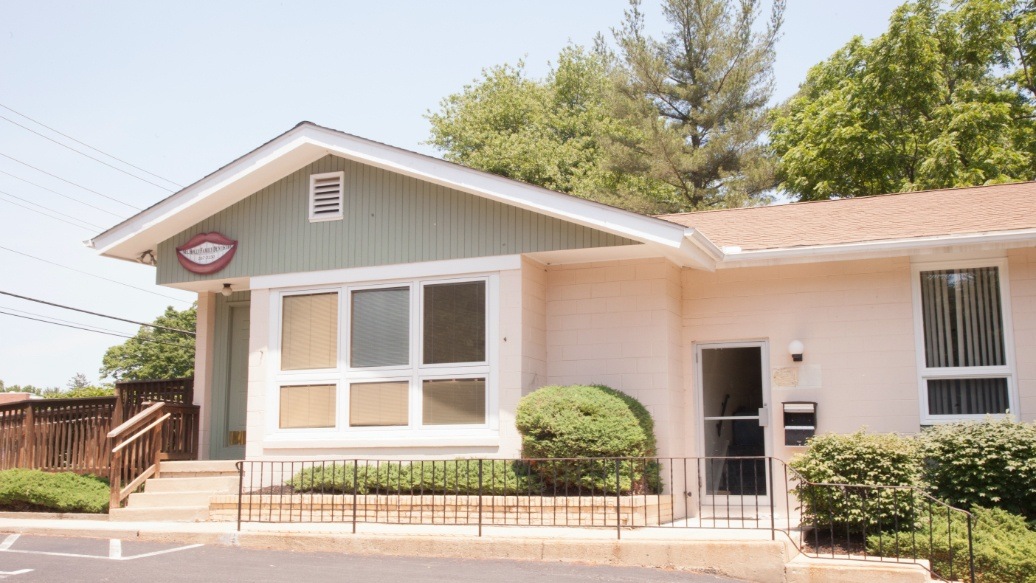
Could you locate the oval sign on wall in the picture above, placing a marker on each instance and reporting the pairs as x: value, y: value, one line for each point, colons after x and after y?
x: 206, y: 253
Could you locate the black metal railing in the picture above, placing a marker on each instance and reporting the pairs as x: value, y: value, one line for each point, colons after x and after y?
x: 841, y: 521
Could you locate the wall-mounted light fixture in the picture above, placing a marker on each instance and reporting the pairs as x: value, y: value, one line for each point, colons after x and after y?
x: 227, y: 290
x: 795, y: 348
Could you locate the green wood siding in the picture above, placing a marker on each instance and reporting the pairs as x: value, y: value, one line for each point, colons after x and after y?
x: 389, y: 219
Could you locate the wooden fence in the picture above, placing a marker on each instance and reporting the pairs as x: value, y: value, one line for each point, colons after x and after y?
x: 72, y: 434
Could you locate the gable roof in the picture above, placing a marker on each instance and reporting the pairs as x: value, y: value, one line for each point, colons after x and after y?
x: 934, y: 214
x: 307, y: 142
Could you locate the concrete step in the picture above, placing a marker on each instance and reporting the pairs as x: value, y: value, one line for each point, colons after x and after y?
x: 198, y: 469
x: 215, y: 485
x: 173, y: 514
x: 168, y: 499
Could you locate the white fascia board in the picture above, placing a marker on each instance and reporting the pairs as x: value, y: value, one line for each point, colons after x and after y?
x: 875, y: 249
x: 307, y: 143
x: 206, y: 197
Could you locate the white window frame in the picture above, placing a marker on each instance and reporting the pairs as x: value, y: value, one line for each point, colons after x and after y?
x: 312, y: 192
x: 925, y: 373
x: 415, y: 372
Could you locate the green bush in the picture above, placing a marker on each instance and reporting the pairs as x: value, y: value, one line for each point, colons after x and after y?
x: 499, y: 477
x: 33, y: 490
x: 589, y: 421
x: 858, y: 458
x: 1005, y: 550
x: 988, y: 464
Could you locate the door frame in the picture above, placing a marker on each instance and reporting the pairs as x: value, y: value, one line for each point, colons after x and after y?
x: 764, y: 357
x: 220, y: 401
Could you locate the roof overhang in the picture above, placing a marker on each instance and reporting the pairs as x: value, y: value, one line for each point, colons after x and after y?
x: 307, y: 142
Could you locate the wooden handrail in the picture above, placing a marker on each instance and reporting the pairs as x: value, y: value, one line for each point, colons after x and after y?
x: 136, y: 457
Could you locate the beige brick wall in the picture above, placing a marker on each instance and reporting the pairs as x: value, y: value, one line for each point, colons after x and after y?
x: 618, y: 323
x: 1021, y: 266
x: 855, y: 319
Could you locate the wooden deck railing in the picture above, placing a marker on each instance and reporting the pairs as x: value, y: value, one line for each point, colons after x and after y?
x: 136, y: 452
x: 72, y: 434
x: 57, y: 434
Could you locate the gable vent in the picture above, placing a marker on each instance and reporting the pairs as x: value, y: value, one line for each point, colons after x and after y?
x: 325, y: 196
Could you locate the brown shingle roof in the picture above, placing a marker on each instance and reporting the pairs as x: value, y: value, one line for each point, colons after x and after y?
x: 956, y: 211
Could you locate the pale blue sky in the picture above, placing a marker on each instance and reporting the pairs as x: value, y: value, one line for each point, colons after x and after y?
x: 181, y: 88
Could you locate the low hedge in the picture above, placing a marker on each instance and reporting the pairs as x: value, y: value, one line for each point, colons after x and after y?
x: 1004, y: 548
x: 499, y: 477
x: 986, y: 464
x: 858, y: 458
x: 588, y: 421
x: 33, y: 490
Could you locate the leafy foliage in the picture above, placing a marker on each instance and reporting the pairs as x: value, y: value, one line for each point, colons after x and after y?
x: 943, y: 98
x: 154, y: 353
x: 987, y: 464
x: 545, y: 132
x: 1004, y: 548
x: 864, y: 459
x: 499, y: 477
x: 33, y: 490
x: 588, y: 421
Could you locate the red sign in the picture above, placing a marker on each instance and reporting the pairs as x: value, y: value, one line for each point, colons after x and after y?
x: 206, y: 253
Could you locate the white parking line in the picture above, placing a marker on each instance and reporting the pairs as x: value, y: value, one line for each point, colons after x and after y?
x: 6, y: 574
x: 8, y: 541
x: 114, y: 552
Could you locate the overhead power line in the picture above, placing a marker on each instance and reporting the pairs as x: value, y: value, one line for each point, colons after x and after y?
x: 86, y: 329
x: 85, y: 155
x: 93, y: 275
x: 101, y: 194
x: 48, y: 209
x: 82, y: 143
x: 72, y: 198
x: 88, y: 229
x: 39, y: 301
x: 28, y: 313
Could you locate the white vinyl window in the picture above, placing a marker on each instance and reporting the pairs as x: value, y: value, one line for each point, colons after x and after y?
x: 414, y: 357
x: 965, y: 355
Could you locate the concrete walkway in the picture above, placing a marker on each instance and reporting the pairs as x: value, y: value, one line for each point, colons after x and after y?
x: 748, y: 555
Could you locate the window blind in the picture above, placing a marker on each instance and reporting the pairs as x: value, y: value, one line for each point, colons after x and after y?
x: 455, y: 322
x: 380, y: 327
x: 968, y: 396
x: 307, y: 406
x: 963, y: 318
x: 379, y: 404
x: 309, y: 332
x: 454, y: 402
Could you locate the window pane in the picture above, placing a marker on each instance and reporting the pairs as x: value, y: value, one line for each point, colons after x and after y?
x: 307, y: 406
x: 381, y: 327
x: 379, y: 404
x: 454, y: 402
x: 455, y: 322
x: 963, y: 319
x: 967, y: 396
x: 309, y: 332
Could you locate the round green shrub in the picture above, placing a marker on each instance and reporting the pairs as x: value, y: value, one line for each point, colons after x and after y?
x: 989, y: 464
x: 859, y: 458
x: 588, y: 421
x: 33, y: 490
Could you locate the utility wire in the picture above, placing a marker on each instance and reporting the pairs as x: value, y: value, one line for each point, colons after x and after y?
x: 98, y: 328
x: 70, y: 182
x: 88, y: 329
x: 46, y: 208
x: 98, y: 160
x: 89, y: 229
x: 9, y: 250
x: 72, y: 198
x: 38, y: 301
x: 81, y: 143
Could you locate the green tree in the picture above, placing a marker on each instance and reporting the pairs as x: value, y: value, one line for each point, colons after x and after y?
x: 545, y: 132
x: 943, y: 98
x: 698, y: 101
x: 155, y: 353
